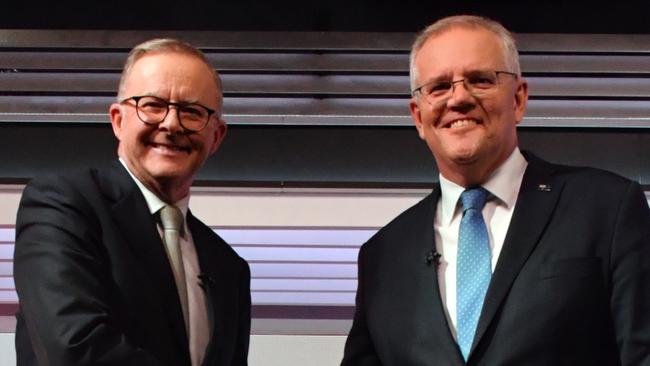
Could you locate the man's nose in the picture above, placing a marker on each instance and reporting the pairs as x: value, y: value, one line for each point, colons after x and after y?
x: 172, y: 121
x: 460, y: 94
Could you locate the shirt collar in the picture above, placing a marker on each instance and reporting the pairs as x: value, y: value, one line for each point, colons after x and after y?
x: 154, y: 202
x: 503, y: 184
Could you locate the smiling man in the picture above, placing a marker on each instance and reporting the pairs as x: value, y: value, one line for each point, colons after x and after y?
x: 110, y: 265
x: 511, y: 260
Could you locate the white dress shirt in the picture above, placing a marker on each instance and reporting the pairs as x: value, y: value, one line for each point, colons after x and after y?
x: 503, y: 185
x: 199, y: 327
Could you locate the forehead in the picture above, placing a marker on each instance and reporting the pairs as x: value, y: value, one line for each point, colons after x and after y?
x: 460, y: 49
x: 172, y: 75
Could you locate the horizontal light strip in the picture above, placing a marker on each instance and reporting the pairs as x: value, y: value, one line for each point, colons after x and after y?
x: 310, y: 85
x: 265, y: 285
x: 7, y: 234
x: 6, y: 251
x: 8, y: 296
x: 260, y: 298
x: 592, y: 121
x: 284, y: 41
x: 314, y: 255
x: 301, y: 298
x: 6, y: 268
x: 7, y: 283
x: 261, y: 284
x: 303, y: 270
x: 297, y: 237
x: 321, y: 62
x: 273, y: 270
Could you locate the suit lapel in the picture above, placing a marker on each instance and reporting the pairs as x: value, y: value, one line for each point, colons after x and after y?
x: 436, y: 315
x: 138, y: 227
x: 217, y: 280
x: 536, y: 202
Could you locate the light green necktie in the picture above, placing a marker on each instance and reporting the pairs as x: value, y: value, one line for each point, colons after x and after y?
x: 172, y: 222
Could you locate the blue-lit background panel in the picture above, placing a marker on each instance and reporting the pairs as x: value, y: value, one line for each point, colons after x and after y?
x: 295, y: 237
x: 303, y: 270
x: 7, y: 288
x: 289, y: 266
x: 300, y: 267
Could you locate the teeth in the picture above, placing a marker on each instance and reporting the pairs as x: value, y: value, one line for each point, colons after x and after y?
x: 462, y: 123
x: 167, y: 147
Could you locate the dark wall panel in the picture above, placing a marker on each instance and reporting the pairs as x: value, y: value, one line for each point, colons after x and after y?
x: 314, y: 155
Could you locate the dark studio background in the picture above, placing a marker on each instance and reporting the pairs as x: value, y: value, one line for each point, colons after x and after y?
x: 622, y: 17
x: 587, y: 76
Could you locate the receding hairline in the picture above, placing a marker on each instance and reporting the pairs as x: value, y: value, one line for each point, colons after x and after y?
x: 165, y: 46
x: 472, y: 22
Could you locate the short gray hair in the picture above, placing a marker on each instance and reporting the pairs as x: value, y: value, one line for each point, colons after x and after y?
x: 167, y: 45
x: 466, y: 21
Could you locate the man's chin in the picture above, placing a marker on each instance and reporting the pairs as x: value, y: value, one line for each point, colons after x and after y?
x: 465, y: 157
x: 168, y: 172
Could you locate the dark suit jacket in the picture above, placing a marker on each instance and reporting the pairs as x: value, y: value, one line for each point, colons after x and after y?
x: 95, y: 285
x: 571, y: 286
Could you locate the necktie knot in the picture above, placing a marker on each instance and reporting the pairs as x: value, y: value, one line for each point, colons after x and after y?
x: 171, y: 218
x: 473, y: 198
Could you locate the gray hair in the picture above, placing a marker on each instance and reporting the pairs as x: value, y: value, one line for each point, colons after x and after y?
x: 167, y: 45
x: 466, y: 21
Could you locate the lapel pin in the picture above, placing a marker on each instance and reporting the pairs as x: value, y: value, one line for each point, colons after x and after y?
x: 544, y: 187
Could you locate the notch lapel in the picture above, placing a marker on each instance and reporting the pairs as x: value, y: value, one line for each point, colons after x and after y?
x: 436, y: 318
x: 138, y: 229
x: 217, y: 280
x: 535, y: 205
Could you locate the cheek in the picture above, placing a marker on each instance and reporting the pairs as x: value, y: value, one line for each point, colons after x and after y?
x: 136, y: 139
x: 505, y: 106
x: 129, y: 136
x: 430, y: 118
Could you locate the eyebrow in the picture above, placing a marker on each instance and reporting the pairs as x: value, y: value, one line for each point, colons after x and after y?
x: 441, y: 77
x: 445, y: 77
x: 188, y: 101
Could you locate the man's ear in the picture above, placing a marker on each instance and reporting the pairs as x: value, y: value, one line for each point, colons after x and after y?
x: 417, y: 117
x: 219, y: 134
x: 521, y: 100
x: 115, y: 113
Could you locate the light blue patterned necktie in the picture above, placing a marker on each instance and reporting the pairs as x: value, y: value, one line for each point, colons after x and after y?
x: 474, y: 269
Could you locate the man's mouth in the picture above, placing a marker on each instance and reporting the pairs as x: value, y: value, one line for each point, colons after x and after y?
x: 169, y: 147
x: 462, y: 123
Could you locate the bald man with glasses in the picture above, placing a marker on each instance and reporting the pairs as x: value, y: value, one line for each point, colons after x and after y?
x: 110, y: 265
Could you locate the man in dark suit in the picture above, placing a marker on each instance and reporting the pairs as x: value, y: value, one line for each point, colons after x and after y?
x: 111, y: 268
x: 510, y: 260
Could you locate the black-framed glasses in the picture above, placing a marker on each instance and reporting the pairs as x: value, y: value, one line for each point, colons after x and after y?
x: 478, y: 83
x: 153, y: 110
